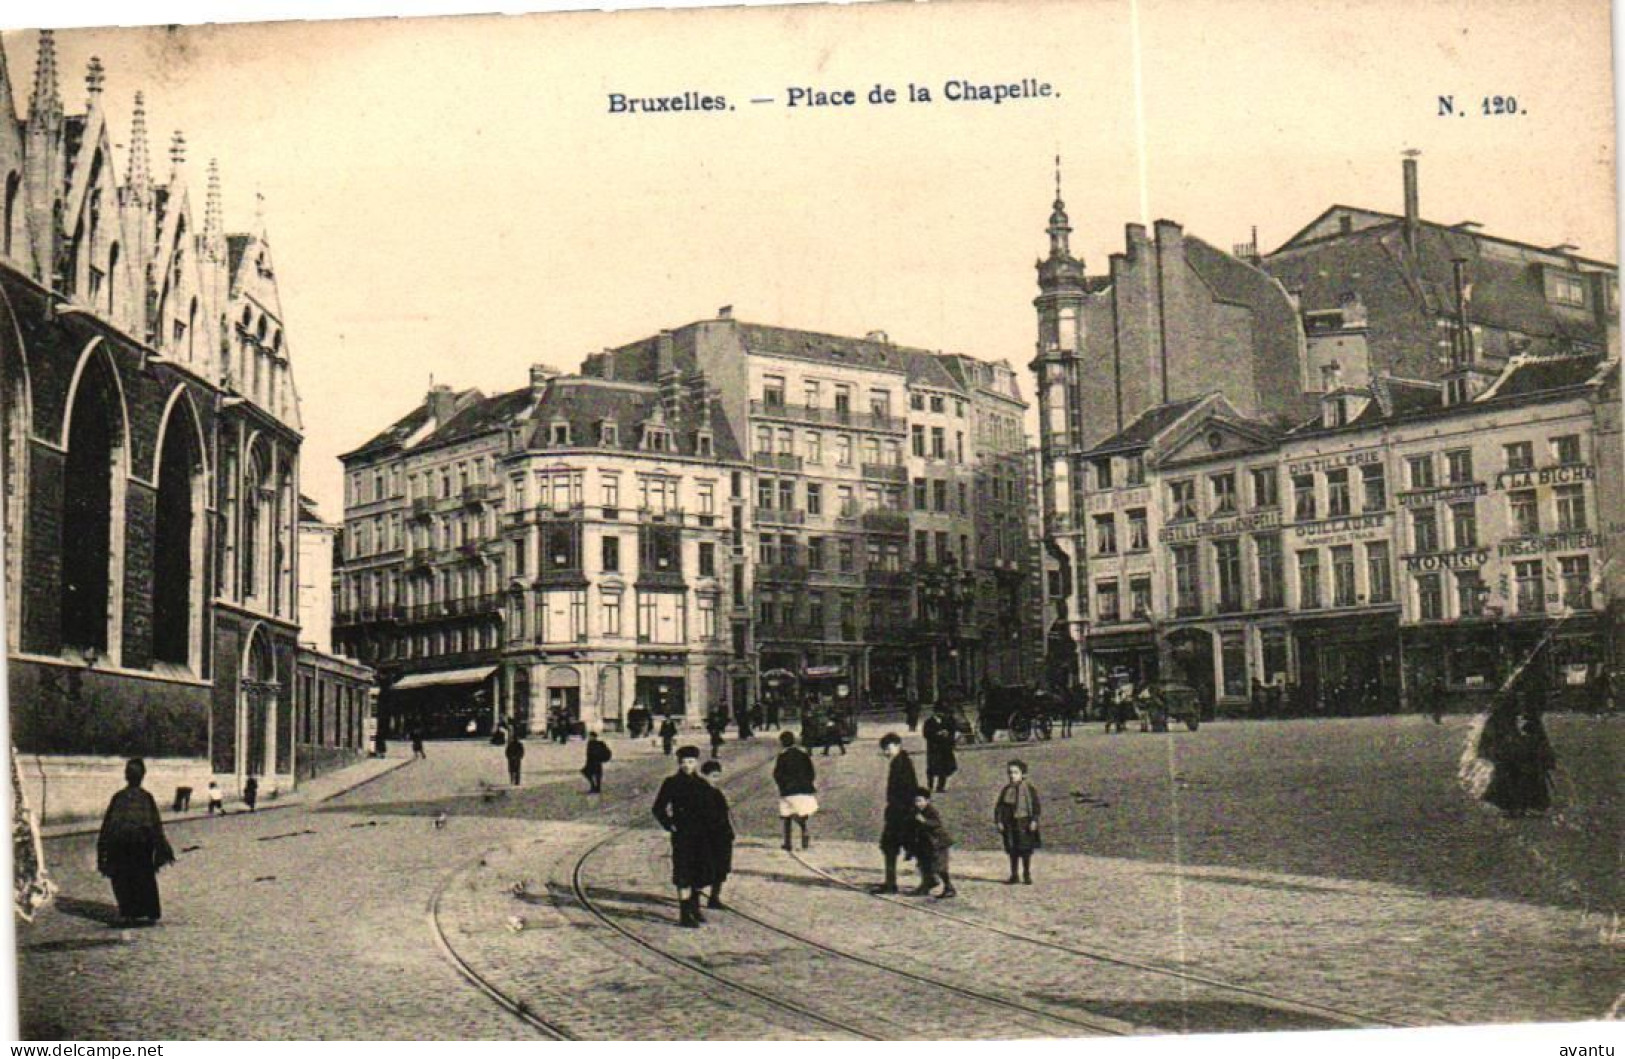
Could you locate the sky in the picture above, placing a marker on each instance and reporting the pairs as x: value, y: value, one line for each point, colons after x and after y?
x: 452, y: 198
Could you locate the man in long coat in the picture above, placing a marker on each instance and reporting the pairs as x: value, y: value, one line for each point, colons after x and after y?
x: 131, y: 847
x: 940, y: 761
x: 902, y: 784
x: 683, y: 808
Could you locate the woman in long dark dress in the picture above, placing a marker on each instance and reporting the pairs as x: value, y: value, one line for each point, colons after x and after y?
x: 131, y: 847
x: 940, y: 759
x: 1016, y: 816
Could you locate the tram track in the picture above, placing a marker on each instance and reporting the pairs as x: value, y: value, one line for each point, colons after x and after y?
x: 1001, y: 1006
x: 1342, y: 1016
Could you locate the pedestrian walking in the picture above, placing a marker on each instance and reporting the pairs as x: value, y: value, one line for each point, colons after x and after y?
x: 417, y: 746
x: 797, y: 781
x: 717, y: 726
x: 251, y: 792
x: 131, y: 848
x: 897, y: 832
x: 682, y: 807
x: 719, y: 832
x: 380, y: 746
x: 515, y: 753
x: 940, y: 760
x: 773, y: 710
x: 217, y: 801
x: 911, y: 714
x: 1015, y: 814
x: 668, y: 735
x: 931, y: 844
x: 598, y: 755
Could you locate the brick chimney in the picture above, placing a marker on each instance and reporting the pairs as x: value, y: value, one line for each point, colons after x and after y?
x: 441, y: 403
x: 539, y: 376
x: 1413, y: 200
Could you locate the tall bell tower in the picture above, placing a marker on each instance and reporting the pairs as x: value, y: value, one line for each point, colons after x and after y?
x: 1057, y: 368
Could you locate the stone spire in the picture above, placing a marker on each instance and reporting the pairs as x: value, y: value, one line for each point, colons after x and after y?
x: 140, y: 163
x: 177, y: 155
x: 95, y: 77
x: 45, y: 105
x: 213, y: 215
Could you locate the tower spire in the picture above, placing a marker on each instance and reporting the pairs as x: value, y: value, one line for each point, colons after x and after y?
x: 140, y: 178
x: 46, y: 102
x: 1060, y: 228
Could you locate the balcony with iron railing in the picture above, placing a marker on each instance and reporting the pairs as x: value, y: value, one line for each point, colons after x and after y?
x: 887, y: 578
x: 896, y: 633
x: 885, y: 521
x: 798, y: 630
x: 894, y: 473
x: 793, y: 572
x: 422, y: 508
x: 778, y: 461
x: 772, y: 516
x: 478, y: 493
x: 661, y: 516
x: 832, y: 417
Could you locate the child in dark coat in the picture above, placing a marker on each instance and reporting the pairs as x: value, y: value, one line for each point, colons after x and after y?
x: 932, y: 842
x: 598, y: 755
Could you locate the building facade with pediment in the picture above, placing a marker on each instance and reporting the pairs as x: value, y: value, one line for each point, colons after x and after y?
x: 152, y: 442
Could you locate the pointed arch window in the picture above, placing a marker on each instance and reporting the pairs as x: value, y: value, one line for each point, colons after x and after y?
x: 92, y: 491
x: 178, y: 531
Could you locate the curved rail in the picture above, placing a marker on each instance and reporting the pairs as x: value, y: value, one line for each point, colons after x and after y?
x: 515, y: 1007
x: 1352, y: 1018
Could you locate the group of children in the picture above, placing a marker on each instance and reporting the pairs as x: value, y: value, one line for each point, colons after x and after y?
x: 693, y: 809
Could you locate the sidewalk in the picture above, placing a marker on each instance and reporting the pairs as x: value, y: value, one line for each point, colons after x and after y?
x: 319, y: 789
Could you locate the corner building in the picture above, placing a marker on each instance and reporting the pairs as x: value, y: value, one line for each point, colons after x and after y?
x: 887, y: 551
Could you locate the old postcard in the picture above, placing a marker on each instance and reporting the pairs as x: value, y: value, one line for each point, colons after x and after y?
x: 952, y: 521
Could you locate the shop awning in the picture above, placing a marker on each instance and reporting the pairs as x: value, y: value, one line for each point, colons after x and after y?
x: 450, y: 676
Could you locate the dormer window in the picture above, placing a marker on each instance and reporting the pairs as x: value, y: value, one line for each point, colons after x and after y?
x: 609, y: 434
x: 1565, y: 288
x: 558, y: 432
x: 656, y: 439
x: 702, y: 443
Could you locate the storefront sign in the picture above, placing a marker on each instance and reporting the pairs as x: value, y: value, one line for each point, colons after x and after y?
x: 1354, y: 528
x: 1446, y: 493
x: 1126, y: 498
x: 1192, y: 531
x: 1550, y: 542
x: 1332, y: 463
x: 1462, y: 560
x: 1577, y: 472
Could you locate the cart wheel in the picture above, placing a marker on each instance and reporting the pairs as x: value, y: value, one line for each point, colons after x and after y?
x: 1193, y: 723
x: 1021, y: 728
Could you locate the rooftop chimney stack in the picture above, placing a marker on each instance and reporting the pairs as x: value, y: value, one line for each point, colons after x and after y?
x: 441, y: 402
x: 1413, y: 207
x: 539, y: 376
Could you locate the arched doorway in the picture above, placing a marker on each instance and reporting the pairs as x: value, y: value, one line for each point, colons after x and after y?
x: 563, y: 695
x: 257, y: 695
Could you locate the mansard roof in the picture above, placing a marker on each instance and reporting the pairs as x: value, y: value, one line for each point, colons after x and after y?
x: 587, y: 403
x: 1507, y: 285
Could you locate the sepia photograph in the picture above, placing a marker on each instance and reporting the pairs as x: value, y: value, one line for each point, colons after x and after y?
x: 962, y: 521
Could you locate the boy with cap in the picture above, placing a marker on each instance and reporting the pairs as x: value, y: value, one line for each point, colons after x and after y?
x: 897, y: 834
x: 682, y: 807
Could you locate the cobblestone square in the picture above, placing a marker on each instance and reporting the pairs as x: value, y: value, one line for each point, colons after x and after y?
x: 1246, y: 877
